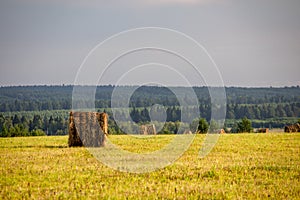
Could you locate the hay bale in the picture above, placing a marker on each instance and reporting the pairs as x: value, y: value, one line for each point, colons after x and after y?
x: 187, y: 132
x: 85, y: 129
x: 148, y: 129
x: 292, y: 128
x: 221, y: 131
x: 74, y: 139
x: 262, y: 130
x: 103, y: 120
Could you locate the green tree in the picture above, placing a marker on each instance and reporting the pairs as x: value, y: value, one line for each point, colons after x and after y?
x: 45, y: 124
x: 144, y: 116
x: 213, y: 126
x: 59, y: 123
x: 37, y: 122
x: 16, y: 120
x: 244, y: 126
x: 2, y: 121
x: 234, y: 128
x: 5, y: 132
x: 271, y: 111
x: 60, y: 132
x: 203, y: 126
x: 51, y: 126
x: 257, y: 112
x: 38, y: 132
x: 8, y: 123
x: 177, y: 126
x: 135, y: 115
x: 230, y: 114
x: 18, y: 130
x: 249, y: 112
x: 288, y: 110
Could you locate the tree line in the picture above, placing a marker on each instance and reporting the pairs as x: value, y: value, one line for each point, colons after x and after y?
x: 54, y: 123
x: 265, y: 107
x: 241, y: 126
x: 38, y: 98
x: 36, y: 126
x: 260, y: 112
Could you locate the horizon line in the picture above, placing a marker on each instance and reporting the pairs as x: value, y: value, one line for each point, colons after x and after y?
x: 178, y: 86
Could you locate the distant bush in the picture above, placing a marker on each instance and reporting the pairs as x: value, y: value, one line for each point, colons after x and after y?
x: 203, y: 126
x: 60, y: 132
x: 244, y: 126
x: 38, y: 132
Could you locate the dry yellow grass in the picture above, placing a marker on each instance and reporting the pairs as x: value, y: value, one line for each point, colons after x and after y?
x: 241, y: 166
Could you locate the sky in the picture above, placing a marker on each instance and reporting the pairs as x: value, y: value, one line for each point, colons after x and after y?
x: 253, y: 43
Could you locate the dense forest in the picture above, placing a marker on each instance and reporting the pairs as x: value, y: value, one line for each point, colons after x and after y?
x: 37, y: 110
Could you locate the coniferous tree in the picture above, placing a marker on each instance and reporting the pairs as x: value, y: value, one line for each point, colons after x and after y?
x: 16, y: 120
x: 203, y: 126
x: 244, y: 126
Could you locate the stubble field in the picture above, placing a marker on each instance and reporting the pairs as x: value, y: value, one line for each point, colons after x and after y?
x: 241, y: 166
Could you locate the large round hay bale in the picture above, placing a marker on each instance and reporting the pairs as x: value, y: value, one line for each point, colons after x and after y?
x: 87, y: 129
x: 74, y: 139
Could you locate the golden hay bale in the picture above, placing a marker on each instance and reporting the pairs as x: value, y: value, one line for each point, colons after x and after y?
x: 85, y: 129
x: 148, y: 129
x: 292, y: 128
x: 221, y: 131
x: 74, y: 139
x: 262, y: 130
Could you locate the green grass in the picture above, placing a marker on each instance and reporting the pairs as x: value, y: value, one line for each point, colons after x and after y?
x: 241, y: 166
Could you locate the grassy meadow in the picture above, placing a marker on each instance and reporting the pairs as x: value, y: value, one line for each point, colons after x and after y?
x: 241, y: 166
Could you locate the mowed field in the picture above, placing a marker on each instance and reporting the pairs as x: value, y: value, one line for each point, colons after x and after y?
x: 241, y: 166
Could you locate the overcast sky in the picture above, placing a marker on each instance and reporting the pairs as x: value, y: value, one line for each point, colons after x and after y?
x: 253, y: 43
